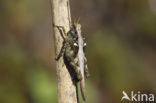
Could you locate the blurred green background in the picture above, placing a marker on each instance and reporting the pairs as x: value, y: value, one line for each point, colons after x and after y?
x: 121, y: 52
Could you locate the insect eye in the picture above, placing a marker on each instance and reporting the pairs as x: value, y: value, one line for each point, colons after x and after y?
x: 85, y: 44
x: 75, y: 44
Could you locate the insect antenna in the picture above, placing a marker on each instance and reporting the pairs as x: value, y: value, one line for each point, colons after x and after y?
x: 69, y: 14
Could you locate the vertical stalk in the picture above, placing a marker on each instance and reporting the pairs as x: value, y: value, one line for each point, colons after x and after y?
x: 61, y: 17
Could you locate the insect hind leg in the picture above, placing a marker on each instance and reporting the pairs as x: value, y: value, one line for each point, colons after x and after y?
x: 86, y: 68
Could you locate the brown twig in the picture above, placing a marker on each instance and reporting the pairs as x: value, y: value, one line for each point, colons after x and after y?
x: 61, y: 17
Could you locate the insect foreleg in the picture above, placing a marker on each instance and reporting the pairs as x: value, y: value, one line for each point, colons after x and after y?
x: 63, y: 49
x: 62, y: 31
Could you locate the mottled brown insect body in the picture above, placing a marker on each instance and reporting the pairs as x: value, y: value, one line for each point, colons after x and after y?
x: 73, y: 52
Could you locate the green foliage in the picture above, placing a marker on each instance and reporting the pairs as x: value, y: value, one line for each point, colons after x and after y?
x: 23, y: 79
x: 115, y: 64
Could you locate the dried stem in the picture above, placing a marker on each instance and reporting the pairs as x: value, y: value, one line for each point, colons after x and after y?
x: 61, y: 17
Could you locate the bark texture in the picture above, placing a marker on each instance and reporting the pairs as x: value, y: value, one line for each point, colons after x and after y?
x: 61, y: 17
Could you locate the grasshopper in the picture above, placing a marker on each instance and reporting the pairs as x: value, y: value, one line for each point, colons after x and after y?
x: 73, y: 51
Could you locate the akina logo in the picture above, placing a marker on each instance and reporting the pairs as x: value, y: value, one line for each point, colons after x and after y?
x: 138, y: 96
